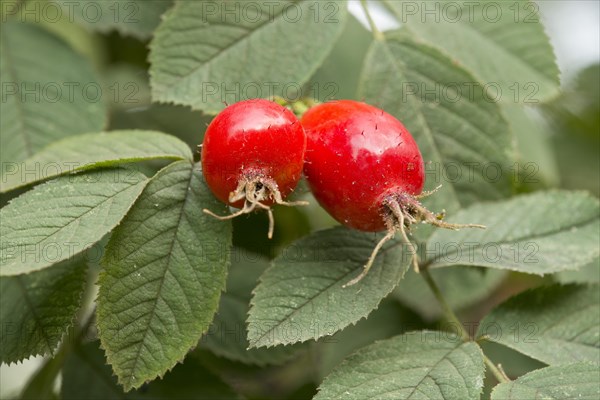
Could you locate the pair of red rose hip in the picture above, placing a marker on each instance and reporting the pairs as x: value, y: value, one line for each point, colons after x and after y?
x: 361, y: 164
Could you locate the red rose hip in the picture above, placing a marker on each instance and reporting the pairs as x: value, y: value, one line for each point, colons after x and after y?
x: 356, y: 156
x: 366, y: 170
x: 252, y: 156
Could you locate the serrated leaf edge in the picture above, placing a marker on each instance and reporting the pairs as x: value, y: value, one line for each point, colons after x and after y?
x: 256, y: 343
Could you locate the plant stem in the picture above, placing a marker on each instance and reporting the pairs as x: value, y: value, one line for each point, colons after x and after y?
x: 41, y: 384
x: 450, y: 316
x: 448, y: 313
x: 497, y: 372
x: 376, y: 32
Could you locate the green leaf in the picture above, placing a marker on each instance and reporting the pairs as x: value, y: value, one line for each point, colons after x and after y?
x: 301, y: 296
x: 574, y: 122
x: 388, y: 320
x: 37, y: 309
x: 180, y: 121
x: 462, y: 135
x: 42, y: 101
x: 86, y: 375
x: 206, y: 53
x: 188, y: 381
x: 164, y: 270
x: 226, y: 336
x: 128, y: 89
x: 560, y: 382
x: 502, y: 43
x: 61, y: 218
x: 137, y: 18
x: 589, y: 273
x: 418, y: 365
x: 554, y: 324
x: 93, y: 150
x: 41, y: 384
x: 536, y: 165
x: 461, y: 286
x: 540, y: 233
x: 61, y: 24
x: 332, y: 82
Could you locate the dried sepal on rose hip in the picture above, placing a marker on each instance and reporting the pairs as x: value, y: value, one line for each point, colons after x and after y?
x: 252, y: 156
x: 365, y: 169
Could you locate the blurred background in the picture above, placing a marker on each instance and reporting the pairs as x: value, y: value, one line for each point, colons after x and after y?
x: 562, y: 138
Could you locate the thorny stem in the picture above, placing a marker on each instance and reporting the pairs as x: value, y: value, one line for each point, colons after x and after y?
x: 376, y: 32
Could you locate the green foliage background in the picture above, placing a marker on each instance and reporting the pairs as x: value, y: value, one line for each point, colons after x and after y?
x: 144, y: 296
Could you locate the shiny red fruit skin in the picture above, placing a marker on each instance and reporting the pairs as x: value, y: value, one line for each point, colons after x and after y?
x: 357, y: 156
x: 253, y: 138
